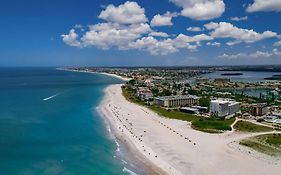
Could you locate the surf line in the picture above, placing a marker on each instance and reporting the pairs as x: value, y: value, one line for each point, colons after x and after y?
x: 48, y: 98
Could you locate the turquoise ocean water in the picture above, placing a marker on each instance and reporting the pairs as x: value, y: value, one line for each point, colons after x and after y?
x: 49, y: 124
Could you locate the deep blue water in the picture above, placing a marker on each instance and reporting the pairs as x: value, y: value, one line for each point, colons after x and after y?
x: 63, y: 135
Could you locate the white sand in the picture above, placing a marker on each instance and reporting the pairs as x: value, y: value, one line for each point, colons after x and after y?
x: 103, y: 73
x: 180, y: 150
x: 116, y: 76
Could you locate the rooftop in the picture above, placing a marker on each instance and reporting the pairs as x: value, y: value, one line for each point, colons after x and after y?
x: 178, y: 97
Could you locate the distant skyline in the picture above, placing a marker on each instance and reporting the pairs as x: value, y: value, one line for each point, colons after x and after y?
x: 140, y: 32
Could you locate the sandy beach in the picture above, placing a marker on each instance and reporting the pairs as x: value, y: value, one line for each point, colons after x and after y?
x: 174, y: 147
x: 102, y: 73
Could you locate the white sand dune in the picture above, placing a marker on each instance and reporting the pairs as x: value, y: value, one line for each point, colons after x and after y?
x: 175, y: 147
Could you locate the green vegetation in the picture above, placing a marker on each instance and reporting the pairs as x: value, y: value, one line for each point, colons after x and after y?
x: 210, y: 125
x: 204, y: 101
x: 250, y: 127
x: 269, y: 144
x: 213, y: 125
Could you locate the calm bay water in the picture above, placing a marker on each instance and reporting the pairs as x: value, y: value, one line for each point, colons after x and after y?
x: 49, y: 124
x: 248, y: 76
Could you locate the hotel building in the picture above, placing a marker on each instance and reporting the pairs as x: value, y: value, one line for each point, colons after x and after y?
x: 224, y: 107
x: 184, y: 100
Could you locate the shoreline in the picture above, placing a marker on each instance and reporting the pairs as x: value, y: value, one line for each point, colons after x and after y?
x: 150, y: 137
x: 138, y: 157
x: 102, y: 73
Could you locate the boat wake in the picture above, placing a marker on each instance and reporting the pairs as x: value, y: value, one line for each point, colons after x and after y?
x: 49, y: 98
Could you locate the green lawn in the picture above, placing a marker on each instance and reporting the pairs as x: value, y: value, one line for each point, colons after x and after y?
x: 210, y: 125
x: 245, y: 126
x: 269, y: 144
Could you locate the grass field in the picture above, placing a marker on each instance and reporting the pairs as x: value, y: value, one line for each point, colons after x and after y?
x: 245, y: 126
x: 210, y: 125
x: 269, y: 144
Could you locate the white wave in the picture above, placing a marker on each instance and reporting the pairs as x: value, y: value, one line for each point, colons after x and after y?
x: 53, y: 96
x: 129, y: 171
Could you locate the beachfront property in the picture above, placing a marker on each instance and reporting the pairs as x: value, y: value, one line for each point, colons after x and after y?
x: 184, y: 100
x: 259, y: 109
x: 144, y: 93
x: 224, y: 107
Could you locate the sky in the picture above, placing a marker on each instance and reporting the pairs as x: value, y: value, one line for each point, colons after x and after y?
x: 139, y: 32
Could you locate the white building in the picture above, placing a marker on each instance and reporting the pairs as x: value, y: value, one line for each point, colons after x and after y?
x: 224, y: 107
x: 184, y: 100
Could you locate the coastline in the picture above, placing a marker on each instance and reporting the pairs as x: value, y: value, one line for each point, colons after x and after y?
x: 147, y: 166
x: 151, y: 139
x: 102, y: 73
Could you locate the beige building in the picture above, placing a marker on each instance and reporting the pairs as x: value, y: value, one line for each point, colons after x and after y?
x: 259, y: 109
x: 144, y: 93
x: 184, y: 100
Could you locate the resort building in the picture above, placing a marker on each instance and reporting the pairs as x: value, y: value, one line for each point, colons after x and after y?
x: 224, y: 107
x: 259, y: 109
x: 144, y: 93
x: 184, y: 100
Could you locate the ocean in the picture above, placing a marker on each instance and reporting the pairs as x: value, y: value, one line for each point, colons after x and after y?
x: 49, y: 124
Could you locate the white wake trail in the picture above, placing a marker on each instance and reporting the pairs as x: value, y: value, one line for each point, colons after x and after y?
x: 53, y: 96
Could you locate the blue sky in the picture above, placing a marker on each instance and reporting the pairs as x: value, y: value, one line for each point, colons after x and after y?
x: 140, y: 32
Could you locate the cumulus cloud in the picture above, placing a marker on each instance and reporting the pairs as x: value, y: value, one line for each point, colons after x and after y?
x: 71, y: 38
x: 155, y: 47
x: 278, y: 43
x: 194, y: 29
x: 217, y: 44
x: 264, y: 5
x: 255, y: 55
x: 163, y: 20
x: 201, y: 9
x: 244, y: 18
x: 127, y: 13
x: 159, y: 34
x: 168, y: 46
x: 125, y: 27
x: 107, y: 35
x: 228, y: 30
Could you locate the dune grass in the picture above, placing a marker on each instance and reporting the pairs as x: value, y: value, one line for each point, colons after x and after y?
x: 245, y: 126
x: 269, y: 144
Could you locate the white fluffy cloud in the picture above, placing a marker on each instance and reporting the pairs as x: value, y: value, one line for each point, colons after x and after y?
x: 244, y: 18
x: 201, y: 9
x: 228, y: 30
x: 71, y: 38
x: 126, y: 27
x: 278, y: 43
x: 155, y: 47
x: 217, y: 44
x: 163, y: 20
x: 127, y: 13
x: 265, y: 5
x: 255, y: 55
x: 167, y: 46
x: 159, y: 34
x: 107, y: 35
x: 194, y: 29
